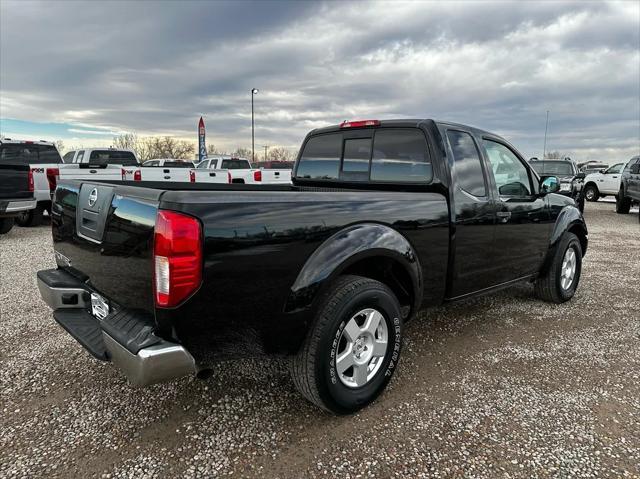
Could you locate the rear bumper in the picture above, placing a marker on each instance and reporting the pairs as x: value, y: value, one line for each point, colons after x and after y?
x: 124, y: 338
x: 9, y: 207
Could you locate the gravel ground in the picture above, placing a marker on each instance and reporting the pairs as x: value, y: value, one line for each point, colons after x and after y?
x: 500, y: 386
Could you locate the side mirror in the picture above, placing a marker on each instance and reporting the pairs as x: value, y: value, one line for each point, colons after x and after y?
x: 580, y: 176
x: 549, y: 184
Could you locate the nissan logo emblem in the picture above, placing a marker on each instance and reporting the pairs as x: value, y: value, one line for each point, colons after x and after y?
x: 93, y: 196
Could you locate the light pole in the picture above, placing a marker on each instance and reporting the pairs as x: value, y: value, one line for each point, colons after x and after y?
x: 546, y: 125
x: 253, y: 138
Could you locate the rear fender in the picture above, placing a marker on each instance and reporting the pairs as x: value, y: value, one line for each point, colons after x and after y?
x: 347, y: 247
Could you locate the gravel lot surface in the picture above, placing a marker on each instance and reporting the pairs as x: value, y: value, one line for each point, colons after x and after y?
x: 500, y: 386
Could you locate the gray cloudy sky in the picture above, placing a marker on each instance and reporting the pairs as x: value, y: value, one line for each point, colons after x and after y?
x: 84, y: 71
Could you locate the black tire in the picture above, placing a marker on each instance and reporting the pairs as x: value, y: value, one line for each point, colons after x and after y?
x: 31, y: 217
x: 5, y: 225
x: 591, y: 193
x: 548, y: 287
x: 313, y: 369
x: 623, y: 203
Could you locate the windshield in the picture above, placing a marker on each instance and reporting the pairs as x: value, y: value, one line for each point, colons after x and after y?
x: 125, y: 158
x: 563, y: 168
x: 236, y: 164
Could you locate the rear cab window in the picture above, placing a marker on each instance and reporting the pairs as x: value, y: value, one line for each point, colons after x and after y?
x: 125, y: 158
x: 29, y: 154
x: 388, y: 155
x: 236, y: 164
x: 467, y: 163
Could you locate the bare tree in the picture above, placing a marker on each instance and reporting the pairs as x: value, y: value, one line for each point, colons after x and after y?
x: 279, y: 154
x: 554, y: 155
x: 213, y: 150
x: 242, y: 153
x: 154, y: 146
x: 59, y: 146
x: 128, y: 141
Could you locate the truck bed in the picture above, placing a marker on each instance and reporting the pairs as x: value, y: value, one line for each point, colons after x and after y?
x: 257, y: 241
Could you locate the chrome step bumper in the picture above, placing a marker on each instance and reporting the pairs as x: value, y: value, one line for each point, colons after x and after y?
x: 123, y: 337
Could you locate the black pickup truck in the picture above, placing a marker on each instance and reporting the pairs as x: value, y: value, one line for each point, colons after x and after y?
x: 16, y: 181
x: 384, y: 218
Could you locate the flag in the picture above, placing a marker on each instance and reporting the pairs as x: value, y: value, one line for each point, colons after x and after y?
x: 202, y: 146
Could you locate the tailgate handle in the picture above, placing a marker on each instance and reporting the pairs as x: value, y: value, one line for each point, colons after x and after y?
x: 277, y: 173
x: 165, y: 171
x: 92, y: 171
x: 212, y: 174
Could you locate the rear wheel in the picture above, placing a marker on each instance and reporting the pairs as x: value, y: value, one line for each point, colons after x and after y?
x: 353, y: 347
x: 623, y: 204
x: 591, y: 193
x: 560, y: 281
x: 5, y: 225
x: 31, y: 217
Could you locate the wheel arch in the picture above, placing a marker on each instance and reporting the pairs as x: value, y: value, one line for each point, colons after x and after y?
x: 569, y: 220
x: 370, y: 250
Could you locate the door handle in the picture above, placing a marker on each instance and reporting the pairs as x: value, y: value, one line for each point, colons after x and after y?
x: 504, y: 215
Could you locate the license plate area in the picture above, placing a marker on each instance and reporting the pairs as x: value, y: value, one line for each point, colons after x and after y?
x: 99, y: 306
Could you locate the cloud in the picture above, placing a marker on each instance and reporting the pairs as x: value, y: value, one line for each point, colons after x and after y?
x: 155, y: 67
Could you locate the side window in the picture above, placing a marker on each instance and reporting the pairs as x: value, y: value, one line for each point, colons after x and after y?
x: 511, y: 175
x: 355, y: 164
x: 79, y: 157
x: 401, y: 155
x: 68, y: 158
x: 203, y: 164
x: 614, y: 169
x: 320, y: 158
x: 213, y: 164
x: 468, y: 165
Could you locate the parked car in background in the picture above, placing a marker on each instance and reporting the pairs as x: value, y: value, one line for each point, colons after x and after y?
x: 383, y: 218
x: 602, y: 183
x: 592, y: 166
x: 571, y: 179
x: 242, y: 173
x: 169, y: 163
x: 629, y: 192
x: 16, y: 181
x: 41, y: 159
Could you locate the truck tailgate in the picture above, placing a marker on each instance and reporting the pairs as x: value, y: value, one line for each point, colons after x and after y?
x: 103, y: 234
x: 14, y: 181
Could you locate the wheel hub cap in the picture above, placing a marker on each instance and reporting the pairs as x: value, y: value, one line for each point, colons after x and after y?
x: 568, y: 272
x: 361, y: 348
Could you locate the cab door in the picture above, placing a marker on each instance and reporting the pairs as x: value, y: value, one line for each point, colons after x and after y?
x: 610, y: 182
x: 473, y: 216
x: 523, y: 220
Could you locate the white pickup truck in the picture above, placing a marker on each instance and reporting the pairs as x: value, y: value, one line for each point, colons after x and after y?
x: 241, y: 172
x: 606, y: 182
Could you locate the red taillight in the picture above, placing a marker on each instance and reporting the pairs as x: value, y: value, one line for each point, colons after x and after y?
x: 52, y: 178
x: 30, y: 180
x: 192, y: 176
x: 137, y: 175
x: 123, y: 173
x: 257, y: 175
x: 359, y: 123
x: 229, y: 177
x: 177, y: 256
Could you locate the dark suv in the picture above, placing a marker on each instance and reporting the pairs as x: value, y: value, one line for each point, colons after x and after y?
x: 629, y: 186
x: 571, y: 180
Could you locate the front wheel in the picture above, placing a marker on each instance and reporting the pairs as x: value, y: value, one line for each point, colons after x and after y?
x: 591, y: 193
x: 353, y: 347
x: 559, y: 283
